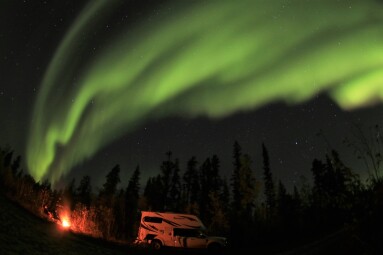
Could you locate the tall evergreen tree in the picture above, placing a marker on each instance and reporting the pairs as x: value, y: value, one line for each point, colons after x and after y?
x: 235, y: 178
x: 195, y: 191
x: 131, y: 202
x: 109, y: 188
x: 284, y: 202
x: 334, y: 183
x: 108, y: 204
x: 215, y: 179
x: 167, y: 168
x: 368, y: 148
x: 175, y: 189
x: 112, y: 180
x: 269, y: 190
x: 297, y: 200
x: 70, y: 195
x: 154, y: 193
x: 205, y: 181
x: 118, y: 225
x: 84, y: 191
x: 241, y: 217
x: 225, y: 196
x: 247, y: 187
x: 296, y: 195
x: 133, y: 188
x: 15, y: 165
x: 8, y: 158
x: 191, y: 171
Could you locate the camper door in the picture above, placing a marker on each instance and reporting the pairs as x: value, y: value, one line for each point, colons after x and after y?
x: 189, y: 238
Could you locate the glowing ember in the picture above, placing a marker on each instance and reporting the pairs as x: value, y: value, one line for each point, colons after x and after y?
x: 65, y: 223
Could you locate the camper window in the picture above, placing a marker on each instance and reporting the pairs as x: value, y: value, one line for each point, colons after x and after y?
x: 186, y: 232
x: 153, y: 219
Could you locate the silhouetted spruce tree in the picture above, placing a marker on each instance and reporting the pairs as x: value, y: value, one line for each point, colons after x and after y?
x: 195, y: 188
x: 2, y: 170
x: 318, y: 212
x: 285, y: 205
x: 225, y: 197
x: 346, y: 190
x: 70, y: 195
x: 205, y: 175
x: 167, y: 168
x: 329, y: 182
x: 84, y: 191
x: 247, y: 187
x: 175, y: 189
x: 154, y: 193
x: 242, y: 221
x: 318, y: 170
x: 216, y: 205
x: 330, y: 191
x: 218, y: 198
x: 297, y: 196
x: 215, y: 179
x: 17, y: 182
x: 8, y: 158
x: 298, y: 209
x: 131, y: 203
x: 224, y: 209
x: 191, y: 170
x: 318, y: 197
x: 218, y: 221
x: 210, y: 180
x: 269, y: 184
x: 106, y: 204
x: 349, y: 184
x: 118, y: 228
x: 195, y: 192
x: 15, y: 165
x: 235, y: 178
x: 133, y: 188
x: 368, y: 148
x: 2, y: 154
x: 282, y: 194
x: 112, y: 180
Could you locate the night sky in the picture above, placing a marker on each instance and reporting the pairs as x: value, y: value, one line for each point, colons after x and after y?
x: 85, y: 86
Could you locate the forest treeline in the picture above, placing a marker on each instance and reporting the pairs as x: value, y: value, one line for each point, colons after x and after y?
x: 250, y: 211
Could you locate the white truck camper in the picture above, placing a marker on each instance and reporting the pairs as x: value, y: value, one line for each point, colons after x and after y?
x: 176, y: 230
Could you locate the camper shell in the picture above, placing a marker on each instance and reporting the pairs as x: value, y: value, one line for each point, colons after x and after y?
x: 175, y: 230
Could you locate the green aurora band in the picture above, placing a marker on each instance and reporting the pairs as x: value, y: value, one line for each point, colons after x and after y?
x: 210, y: 58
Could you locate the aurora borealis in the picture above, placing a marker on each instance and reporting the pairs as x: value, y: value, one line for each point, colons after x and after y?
x: 200, y: 59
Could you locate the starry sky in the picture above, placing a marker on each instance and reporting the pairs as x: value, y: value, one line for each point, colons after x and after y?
x: 88, y: 84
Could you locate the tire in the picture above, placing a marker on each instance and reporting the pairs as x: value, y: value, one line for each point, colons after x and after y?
x: 215, y: 248
x: 156, y: 245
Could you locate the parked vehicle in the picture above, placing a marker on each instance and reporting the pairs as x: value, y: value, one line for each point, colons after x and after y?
x: 176, y: 230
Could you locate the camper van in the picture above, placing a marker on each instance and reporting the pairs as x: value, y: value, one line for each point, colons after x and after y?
x: 176, y: 230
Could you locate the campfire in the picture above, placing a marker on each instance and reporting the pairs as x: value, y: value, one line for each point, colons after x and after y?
x: 65, y: 223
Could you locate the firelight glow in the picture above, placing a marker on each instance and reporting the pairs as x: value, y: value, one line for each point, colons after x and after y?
x: 205, y: 58
x: 65, y: 223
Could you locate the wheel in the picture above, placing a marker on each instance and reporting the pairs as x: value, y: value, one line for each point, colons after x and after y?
x: 156, y: 245
x: 215, y: 248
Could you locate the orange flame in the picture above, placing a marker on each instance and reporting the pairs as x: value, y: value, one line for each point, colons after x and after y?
x: 65, y: 223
